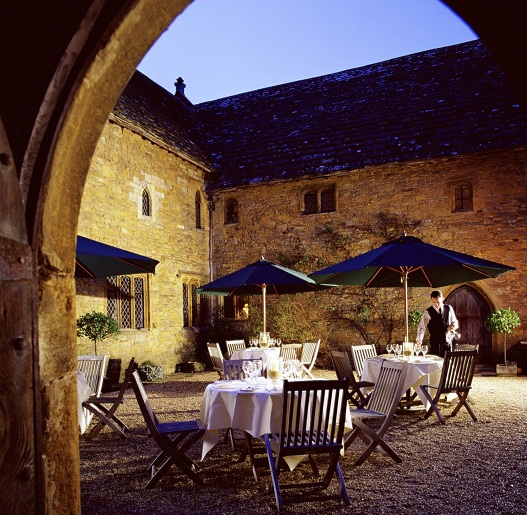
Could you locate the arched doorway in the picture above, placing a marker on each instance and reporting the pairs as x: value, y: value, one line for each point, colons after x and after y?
x: 472, y: 309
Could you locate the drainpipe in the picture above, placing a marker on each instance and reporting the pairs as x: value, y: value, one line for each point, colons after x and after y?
x: 211, y: 199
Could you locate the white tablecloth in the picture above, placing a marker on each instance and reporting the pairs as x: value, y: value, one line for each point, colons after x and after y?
x: 228, y: 404
x: 256, y: 352
x: 420, y: 371
x: 83, y: 393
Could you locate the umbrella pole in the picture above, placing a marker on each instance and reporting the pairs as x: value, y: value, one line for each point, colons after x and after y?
x: 264, y: 291
x: 405, y: 280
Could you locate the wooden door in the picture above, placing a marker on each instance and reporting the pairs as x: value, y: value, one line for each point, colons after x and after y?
x: 471, y: 310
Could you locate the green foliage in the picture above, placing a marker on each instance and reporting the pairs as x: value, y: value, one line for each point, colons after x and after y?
x: 96, y: 326
x: 150, y: 372
x: 414, y: 317
x: 503, y: 321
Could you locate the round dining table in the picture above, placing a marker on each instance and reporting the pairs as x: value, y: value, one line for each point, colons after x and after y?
x: 420, y: 370
x: 254, y: 407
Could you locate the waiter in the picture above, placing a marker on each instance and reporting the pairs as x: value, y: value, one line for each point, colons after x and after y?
x: 439, y: 319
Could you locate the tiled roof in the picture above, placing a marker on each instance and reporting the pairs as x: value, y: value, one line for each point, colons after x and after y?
x: 155, y: 112
x: 443, y: 102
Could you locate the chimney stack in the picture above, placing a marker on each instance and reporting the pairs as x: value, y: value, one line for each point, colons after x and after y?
x: 180, y: 86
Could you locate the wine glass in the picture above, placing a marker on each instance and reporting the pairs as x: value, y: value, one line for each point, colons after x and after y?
x: 247, y: 367
x: 417, y: 348
x: 389, y: 348
x: 287, y: 369
x: 296, y: 369
x: 398, y: 349
x: 424, y: 350
x: 257, y: 367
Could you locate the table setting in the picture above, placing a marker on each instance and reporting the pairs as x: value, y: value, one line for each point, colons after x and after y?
x: 253, y: 405
x: 422, y: 367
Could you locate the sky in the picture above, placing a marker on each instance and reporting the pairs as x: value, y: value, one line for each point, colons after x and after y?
x: 225, y: 47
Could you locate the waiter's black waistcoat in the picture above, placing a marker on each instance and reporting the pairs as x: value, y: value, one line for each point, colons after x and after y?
x: 437, y: 324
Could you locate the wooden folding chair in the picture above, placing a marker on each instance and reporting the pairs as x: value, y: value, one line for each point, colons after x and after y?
x: 343, y: 369
x: 107, y: 416
x: 312, y: 423
x: 456, y: 377
x: 309, y: 357
x: 291, y: 351
x: 359, y: 353
x: 173, y: 438
x: 381, y: 406
x: 216, y: 356
x: 93, y: 368
x: 233, y: 345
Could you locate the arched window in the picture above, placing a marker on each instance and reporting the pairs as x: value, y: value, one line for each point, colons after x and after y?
x: 327, y: 200
x: 231, y: 211
x: 310, y: 202
x: 463, y: 197
x: 198, y: 210
x: 145, y: 202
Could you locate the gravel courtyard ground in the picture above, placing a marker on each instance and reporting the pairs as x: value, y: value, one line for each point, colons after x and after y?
x: 463, y: 467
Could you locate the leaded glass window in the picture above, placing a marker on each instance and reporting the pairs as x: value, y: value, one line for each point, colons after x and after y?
x: 327, y: 201
x: 463, y: 197
x: 127, y: 301
x: 310, y: 202
x: 186, y: 317
x: 198, y: 210
x: 231, y: 211
x: 139, y: 304
x: 146, y: 210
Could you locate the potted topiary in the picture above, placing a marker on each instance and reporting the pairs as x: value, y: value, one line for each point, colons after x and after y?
x: 504, y: 321
x: 96, y: 326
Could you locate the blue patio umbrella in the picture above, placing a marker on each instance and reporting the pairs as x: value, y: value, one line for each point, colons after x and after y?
x: 95, y: 260
x: 261, y: 278
x: 408, y: 261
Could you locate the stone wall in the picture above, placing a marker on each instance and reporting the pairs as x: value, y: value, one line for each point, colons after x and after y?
x: 376, y: 204
x: 124, y: 165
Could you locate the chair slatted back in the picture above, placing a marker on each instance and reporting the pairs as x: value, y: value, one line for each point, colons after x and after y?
x: 144, y: 405
x: 342, y: 365
x: 309, y: 351
x: 93, y: 368
x: 313, y: 416
x: 233, y: 368
x: 233, y: 345
x: 291, y: 351
x: 359, y: 353
x: 388, y: 390
x: 458, y: 370
x: 216, y: 356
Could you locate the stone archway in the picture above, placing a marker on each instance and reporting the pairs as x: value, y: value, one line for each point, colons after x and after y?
x: 472, y: 309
